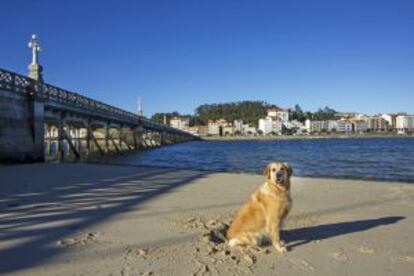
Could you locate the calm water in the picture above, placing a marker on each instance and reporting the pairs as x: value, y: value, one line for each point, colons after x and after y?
x: 376, y: 158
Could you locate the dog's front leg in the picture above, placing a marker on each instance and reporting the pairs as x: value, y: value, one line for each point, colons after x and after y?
x: 275, y: 235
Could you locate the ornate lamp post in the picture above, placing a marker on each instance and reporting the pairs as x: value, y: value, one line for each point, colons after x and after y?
x: 35, y: 69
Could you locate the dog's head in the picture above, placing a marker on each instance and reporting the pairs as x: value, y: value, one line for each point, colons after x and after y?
x: 278, y: 173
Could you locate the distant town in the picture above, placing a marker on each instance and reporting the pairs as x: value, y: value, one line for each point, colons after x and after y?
x: 280, y: 121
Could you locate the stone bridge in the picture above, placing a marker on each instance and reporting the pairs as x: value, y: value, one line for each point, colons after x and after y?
x: 39, y: 121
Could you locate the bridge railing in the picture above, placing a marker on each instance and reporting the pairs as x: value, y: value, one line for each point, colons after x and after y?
x: 17, y: 83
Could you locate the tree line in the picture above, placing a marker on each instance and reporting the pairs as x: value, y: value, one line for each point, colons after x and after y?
x: 248, y: 111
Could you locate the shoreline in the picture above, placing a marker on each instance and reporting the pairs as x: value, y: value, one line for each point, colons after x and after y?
x: 303, y: 137
x: 369, y: 179
x: 76, y: 218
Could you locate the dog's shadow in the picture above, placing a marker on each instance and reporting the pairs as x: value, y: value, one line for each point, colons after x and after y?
x: 300, y: 236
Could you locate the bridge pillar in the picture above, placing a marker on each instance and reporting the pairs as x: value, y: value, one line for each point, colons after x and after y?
x: 120, y: 137
x: 61, y: 153
x: 135, y: 137
x: 106, y: 137
x: 88, y: 138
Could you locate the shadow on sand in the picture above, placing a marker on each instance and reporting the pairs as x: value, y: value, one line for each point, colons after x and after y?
x: 300, y: 236
x: 41, y: 204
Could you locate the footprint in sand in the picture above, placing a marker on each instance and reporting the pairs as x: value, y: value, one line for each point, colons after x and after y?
x: 132, y: 254
x: 340, y: 256
x: 82, y: 240
x: 366, y: 250
x: 409, y: 258
x: 303, y: 264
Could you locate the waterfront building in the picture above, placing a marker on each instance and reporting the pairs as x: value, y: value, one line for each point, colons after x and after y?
x: 319, y: 126
x: 294, y: 127
x: 194, y: 130
x: 180, y: 122
x: 216, y: 127
x: 405, y: 123
x: 360, y: 126
x: 308, y: 125
x: 238, y: 127
x: 202, y: 130
x: 343, y: 126
x: 278, y: 114
x: 390, y: 120
x: 274, y: 122
x: 265, y: 125
x: 213, y: 127
x: 249, y: 130
x: 228, y: 130
x: 332, y: 126
x: 270, y: 125
x: 377, y: 123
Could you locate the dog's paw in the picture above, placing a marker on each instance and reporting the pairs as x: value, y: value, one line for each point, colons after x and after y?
x: 280, y: 248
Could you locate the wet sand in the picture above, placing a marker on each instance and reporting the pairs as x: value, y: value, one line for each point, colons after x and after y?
x: 80, y: 219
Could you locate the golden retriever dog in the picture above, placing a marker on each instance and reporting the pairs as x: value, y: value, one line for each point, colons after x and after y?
x: 263, y: 214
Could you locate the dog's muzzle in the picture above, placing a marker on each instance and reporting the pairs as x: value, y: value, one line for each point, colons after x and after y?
x: 280, y: 176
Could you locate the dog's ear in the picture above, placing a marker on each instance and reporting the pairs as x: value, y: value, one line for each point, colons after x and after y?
x: 266, y: 172
x: 289, y: 168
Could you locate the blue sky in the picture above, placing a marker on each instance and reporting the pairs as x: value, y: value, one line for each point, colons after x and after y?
x: 176, y: 55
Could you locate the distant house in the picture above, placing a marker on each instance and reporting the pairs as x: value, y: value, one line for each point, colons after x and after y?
x: 344, y: 126
x: 218, y: 127
x: 270, y: 125
x: 213, y: 128
x: 228, y: 130
x: 318, y: 126
x: 332, y: 125
x: 340, y: 126
x: 391, y: 120
x: 238, y: 126
x: 360, y: 126
x: 405, y: 123
x: 194, y: 130
x: 180, y: 122
x: 265, y: 125
x: 248, y: 130
x: 278, y: 113
x: 275, y: 120
x: 202, y: 130
x: 377, y: 123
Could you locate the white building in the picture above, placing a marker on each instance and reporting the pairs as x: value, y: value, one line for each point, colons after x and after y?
x: 269, y: 125
x: 274, y: 122
x: 344, y: 126
x: 249, y: 130
x: 360, y: 126
x: 238, y: 126
x: 404, y: 123
x: 377, y: 123
x: 213, y: 127
x: 220, y: 127
x: 319, y: 126
x: 295, y: 127
x: 332, y: 126
x: 278, y: 113
x: 228, y: 130
x: 265, y: 125
x: 182, y: 123
x: 308, y: 124
x: 387, y: 118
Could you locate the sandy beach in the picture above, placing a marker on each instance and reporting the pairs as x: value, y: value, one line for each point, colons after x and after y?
x: 84, y: 219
